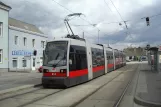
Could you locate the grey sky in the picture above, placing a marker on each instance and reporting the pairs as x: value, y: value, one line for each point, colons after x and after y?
x: 48, y: 16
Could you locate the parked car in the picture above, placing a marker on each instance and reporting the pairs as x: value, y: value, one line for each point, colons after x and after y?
x: 40, y: 69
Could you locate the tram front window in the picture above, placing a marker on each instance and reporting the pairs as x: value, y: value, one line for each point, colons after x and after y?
x: 55, y: 53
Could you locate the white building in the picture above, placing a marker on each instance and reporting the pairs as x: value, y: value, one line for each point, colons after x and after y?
x: 18, y: 40
x: 4, y: 37
x: 24, y: 38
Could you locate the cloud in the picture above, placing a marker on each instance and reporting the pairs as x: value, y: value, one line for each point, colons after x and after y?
x: 49, y: 17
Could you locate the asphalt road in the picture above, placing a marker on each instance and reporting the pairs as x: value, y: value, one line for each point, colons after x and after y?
x: 12, y: 80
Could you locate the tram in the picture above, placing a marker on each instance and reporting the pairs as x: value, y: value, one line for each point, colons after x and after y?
x: 68, y: 62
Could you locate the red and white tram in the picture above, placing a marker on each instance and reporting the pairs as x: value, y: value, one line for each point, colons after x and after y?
x: 68, y: 62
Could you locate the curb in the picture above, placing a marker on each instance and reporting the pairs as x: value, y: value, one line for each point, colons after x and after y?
x: 7, y: 91
x: 142, y: 102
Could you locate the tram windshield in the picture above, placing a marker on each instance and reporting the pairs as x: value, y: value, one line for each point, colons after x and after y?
x: 55, y: 54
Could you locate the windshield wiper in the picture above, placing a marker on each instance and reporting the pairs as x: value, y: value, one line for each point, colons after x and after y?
x: 55, y: 65
x: 57, y: 56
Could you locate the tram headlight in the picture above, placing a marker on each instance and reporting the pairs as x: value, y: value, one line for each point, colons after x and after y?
x: 46, y: 70
x: 61, y: 71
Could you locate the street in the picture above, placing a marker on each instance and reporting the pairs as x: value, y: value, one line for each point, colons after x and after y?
x: 13, y: 79
x: 101, y: 92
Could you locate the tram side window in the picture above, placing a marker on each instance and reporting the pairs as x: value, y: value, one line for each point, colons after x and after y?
x: 106, y: 55
x: 111, y: 56
x: 78, y: 58
x: 97, y: 57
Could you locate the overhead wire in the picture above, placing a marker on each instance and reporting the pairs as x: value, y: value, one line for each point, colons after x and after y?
x: 119, y: 14
x: 62, y: 6
x: 110, y: 9
x: 85, y: 31
x: 72, y: 12
x: 107, y: 5
x: 150, y: 28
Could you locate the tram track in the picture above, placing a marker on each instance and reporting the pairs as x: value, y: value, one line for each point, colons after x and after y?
x: 7, y: 96
x: 63, y: 90
x: 38, y: 91
x: 124, y: 69
x: 37, y: 99
x: 118, y: 102
x: 44, y: 93
x: 97, y: 96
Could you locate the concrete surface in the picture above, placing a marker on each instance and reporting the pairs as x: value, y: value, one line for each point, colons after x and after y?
x: 73, y: 96
x: 13, y: 80
x: 128, y: 99
x: 148, y: 92
x: 103, y: 91
x: 110, y: 93
x: 29, y: 97
x: 15, y: 89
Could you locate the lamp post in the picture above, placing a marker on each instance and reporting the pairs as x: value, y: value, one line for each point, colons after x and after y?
x: 95, y: 25
x: 98, y: 35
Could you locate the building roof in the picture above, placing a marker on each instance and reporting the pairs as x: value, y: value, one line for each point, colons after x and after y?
x: 23, y: 25
x: 1, y: 3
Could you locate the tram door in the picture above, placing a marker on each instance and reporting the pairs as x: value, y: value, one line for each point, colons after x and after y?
x: 106, y: 61
x: 89, y: 61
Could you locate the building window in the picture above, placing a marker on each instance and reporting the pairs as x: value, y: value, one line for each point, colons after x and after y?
x: 14, y: 63
x: 24, y: 41
x: 1, y: 55
x: 24, y: 63
x: 1, y: 28
x: 33, y: 42
x: 16, y: 40
x: 42, y: 44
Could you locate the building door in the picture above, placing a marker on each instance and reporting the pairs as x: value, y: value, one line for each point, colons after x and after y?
x: 41, y: 61
x: 14, y: 64
x: 33, y: 63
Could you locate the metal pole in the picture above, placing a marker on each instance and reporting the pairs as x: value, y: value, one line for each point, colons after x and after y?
x: 98, y: 36
x: 70, y: 27
x: 30, y: 64
x: 83, y: 35
x: 157, y: 61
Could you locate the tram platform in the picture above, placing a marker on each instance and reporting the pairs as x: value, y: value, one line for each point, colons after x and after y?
x: 148, y: 89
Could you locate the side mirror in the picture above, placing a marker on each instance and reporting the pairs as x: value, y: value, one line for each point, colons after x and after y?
x: 70, y: 61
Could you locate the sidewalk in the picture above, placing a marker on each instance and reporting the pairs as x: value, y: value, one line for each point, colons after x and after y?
x: 148, y: 90
x: 12, y: 80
